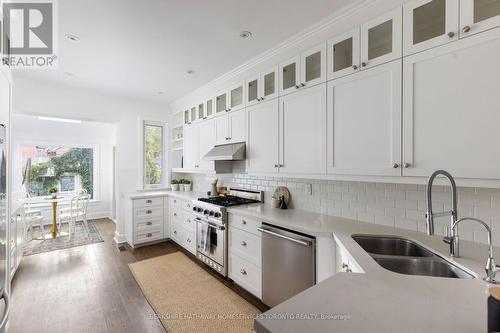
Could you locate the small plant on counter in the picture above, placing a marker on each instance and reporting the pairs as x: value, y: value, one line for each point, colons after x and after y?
x: 174, y: 184
x: 186, y: 184
x: 53, y: 192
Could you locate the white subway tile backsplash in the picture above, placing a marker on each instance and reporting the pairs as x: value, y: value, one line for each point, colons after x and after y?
x: 400, y: 205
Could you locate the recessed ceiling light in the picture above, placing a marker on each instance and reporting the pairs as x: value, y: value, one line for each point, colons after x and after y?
x: 160, y: 92
x: 69, y: 74
x: 73, y: 38
x: 245, y: 34
x: 190, y: 71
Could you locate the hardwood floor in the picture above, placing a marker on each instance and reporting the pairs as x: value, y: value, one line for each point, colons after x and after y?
x: 89, y: 289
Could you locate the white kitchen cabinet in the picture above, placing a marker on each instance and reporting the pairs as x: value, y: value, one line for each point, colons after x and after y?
x: 201, y: 111
x: 304, y: 70
x: 344, y: 262
x: 193, y: 114
x: 344, y: 54
x: 231, y: 127
x: 209, y: 108
x: 302, y: 129
x: 381, y: 39
x: 205, y: 143
x: 147, y: 222
x: 478, y: 15
x: 451, y: 108
x: 221, y: 103
x: 262, y: 86
x: 191, y: 146
x: 364, y: 122
x: 182, y: 224
x: 429, y: 23
x: 262, y: 148
x: 236, y: 97
x: 187, y: 117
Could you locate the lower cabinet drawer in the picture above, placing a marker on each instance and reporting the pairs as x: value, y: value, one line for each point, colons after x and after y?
x: 177, y: 233
x: 148, y: 202
x: 148, y: 212
x: 148, y: 236
x: 189, y: 242
x: 245, y: 223
x: 245, y: 245
x: 188, y: 221
x: 148, y: 225
x: 245, y: 274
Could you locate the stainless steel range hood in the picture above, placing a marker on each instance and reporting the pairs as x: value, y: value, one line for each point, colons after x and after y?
x: 229, y: 152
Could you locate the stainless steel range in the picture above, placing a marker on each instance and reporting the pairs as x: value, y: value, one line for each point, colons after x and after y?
x: 211, y: 225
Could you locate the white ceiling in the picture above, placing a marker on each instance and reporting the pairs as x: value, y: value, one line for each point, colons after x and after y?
x: 136, y: 48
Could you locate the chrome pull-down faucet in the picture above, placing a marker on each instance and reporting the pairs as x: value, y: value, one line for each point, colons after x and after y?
x: 430, y: 215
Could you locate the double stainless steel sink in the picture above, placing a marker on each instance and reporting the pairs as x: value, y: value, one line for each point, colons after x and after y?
x: 404, y: 256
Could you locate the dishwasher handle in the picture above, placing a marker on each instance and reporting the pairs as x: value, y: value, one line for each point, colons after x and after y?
x: 298, y: 241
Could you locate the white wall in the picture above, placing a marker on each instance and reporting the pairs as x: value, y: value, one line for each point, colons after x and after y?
x: 31, y: 97
x: 101, y: 136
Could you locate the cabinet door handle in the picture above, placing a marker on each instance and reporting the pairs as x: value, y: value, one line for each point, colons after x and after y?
x: 149, y: 211
x: 297, y: 86
x: 175, y: 214
x: 364, y: 64
x: 407, y: 165
x: 303, y: 84
x: 354, y: 67
x: 149, y: 201
x: 276, y: 165
x: 175, y: 232
x: 466, y: 28
x: 262, y: 98
x: 243, y: 243
x: 243, y: 271
x: 451, y: 34
x: 189, y: 240
x: 149, y: 235
x: 149, y: 223
x: 243, y: 221
x: 395, y: 165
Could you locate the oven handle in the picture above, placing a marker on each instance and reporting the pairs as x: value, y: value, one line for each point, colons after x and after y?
x: 213, y: 225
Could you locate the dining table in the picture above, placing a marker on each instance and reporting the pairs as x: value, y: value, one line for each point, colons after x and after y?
x: 54, y: 231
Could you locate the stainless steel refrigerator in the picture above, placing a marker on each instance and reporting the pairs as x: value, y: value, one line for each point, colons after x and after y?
x: 4, y: 220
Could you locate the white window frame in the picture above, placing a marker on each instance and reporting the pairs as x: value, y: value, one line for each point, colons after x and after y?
x: 96, y: 168
x: 142, y: 165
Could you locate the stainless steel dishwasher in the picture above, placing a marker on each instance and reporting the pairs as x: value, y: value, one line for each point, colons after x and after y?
x: 288, y: 263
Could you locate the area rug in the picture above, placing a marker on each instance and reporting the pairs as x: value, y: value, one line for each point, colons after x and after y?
x: 51, y: 244
x: 186, y: 298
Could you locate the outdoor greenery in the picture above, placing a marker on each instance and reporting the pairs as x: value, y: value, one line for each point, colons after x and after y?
x: 79, y: 161
x: 153, y: 154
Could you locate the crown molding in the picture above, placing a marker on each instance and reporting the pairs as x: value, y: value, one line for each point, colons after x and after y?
x: 295, y: 40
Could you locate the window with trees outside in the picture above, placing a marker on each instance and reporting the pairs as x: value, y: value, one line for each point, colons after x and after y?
x: 153, y: 154
x: 68, y: 169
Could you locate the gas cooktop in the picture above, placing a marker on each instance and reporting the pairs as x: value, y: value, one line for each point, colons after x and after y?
x: 228, y: 200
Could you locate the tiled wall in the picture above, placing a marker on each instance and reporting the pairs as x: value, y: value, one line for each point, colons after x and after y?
x: 399, y: 205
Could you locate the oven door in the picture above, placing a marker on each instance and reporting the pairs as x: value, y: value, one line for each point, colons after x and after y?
x: 210, y: 240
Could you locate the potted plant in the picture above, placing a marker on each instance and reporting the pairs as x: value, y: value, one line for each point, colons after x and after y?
x: 174, y: 185
x: 53, y: 192
x: 186, y: 184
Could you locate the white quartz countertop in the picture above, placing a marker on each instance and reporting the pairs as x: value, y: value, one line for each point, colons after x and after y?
x: 378, y: 300
x: 184, y: 195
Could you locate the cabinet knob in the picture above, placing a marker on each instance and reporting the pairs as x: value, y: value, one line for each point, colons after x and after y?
x: 466, y: 28
x: 354, y: 67
x: 243, y: 243
x: 175, y: 232
x: 364, y: 64
x: 262, y: 98
x: 276, y: 165
x: 149, y: 212
x: 297, y: 86
x: 243, y: 222
x: 407, y: 165
x: 149, y: 235
x: 451, y: 34
x: 303, y: 84
x: 242, y: 271
x: 149, y: 223
x: 395, y: 165
x: 149, y: 201
x: 189, y: 240
x: 175, y: 214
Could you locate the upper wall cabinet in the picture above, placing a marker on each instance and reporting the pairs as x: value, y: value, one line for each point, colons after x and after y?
x: 201, y: 111
x: 236, y: 97
x: 478, y: 15
x: 209, y: 108
x: 221, y: 103
x: 364, y: 134
x: 308, y: 69
x: 381, y: 39
x: 428, y: 24
x: 451, y: 109
x: 231, y: 128
x: 262, y: 86
x: 344, y: 54
x: 193, y: 114
x: 187, y: 117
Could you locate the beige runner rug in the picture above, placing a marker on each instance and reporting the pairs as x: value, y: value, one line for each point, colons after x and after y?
x: 186, y: 298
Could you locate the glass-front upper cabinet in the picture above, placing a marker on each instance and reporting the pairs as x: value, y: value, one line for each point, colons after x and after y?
x: 236, y: 97
x: 201, y: 111
x: 187, y: 117
x: 193, y: 114
x: 209, y: 108
x: 429, y: 23
x: 343, y: 54
x: 313, y: 65
x: 262, y: 86
x: 290, y: 75
x: 221, y: 103
x: 478, y: 15
x: 381, y: 39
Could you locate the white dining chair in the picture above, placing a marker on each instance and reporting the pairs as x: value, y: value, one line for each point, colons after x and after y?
x: 77, y: 212
x: 32, y: 218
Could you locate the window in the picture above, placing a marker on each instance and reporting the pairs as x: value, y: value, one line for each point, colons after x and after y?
x: 68, y: 169
x: 154, y: 165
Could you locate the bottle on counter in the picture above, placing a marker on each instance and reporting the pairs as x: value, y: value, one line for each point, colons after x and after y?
x: 494, y: 310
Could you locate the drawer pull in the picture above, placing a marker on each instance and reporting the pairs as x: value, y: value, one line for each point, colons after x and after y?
x: 175, y: 201
x: 189, y: 240
x: 149, y: 211
x: 243, y: 272
x: 149, y: 201
x: 175, y: 232
x: 175, y: 214
x: 149, y: 223
x: 243, y: 221
x: 149, y: 234
x: 243, y: 243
